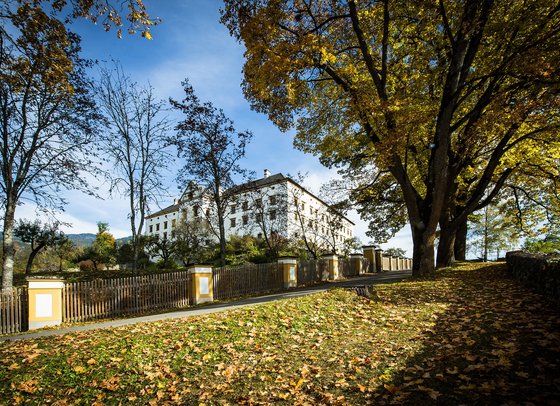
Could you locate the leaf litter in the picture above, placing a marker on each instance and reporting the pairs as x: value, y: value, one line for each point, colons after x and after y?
x: 468, y: 335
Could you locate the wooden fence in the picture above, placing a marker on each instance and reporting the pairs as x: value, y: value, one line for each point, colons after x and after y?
x: 14, y: 311
x: 247, y: 279
x: 311, y: 271
x: 107, y: 298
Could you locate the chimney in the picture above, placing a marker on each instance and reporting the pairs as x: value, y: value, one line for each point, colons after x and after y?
x: 266, y: 173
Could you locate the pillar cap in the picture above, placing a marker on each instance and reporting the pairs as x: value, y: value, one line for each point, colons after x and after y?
x: 200, y: 269
x: 357, y: 254
x: 45, y: 283
x: 369, y: 246
x: 44, y: 278
x: 287, y: 257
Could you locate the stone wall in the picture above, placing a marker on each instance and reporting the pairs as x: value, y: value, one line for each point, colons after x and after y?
x: 538, y: 271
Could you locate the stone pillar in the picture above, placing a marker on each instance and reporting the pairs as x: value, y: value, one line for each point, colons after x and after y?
x: 369, y: 253
x: 332, y: 265
x: 288, y: 266
x: 400, y: 265
x: 356, y: 263
x: 45, y: 302
x: 379, y: 260
x: 202, y: 289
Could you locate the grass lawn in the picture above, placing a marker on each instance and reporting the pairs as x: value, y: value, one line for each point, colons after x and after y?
x: 471, y: 335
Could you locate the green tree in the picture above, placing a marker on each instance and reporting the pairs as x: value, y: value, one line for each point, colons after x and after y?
x: 104, y: 248
x: 549, y: 244
x: 492, y: 230
x: 39, y: 236
x: 193, y: 241
x: 395, y: 252
x: 446, y: 97
x: 65, y: 250
x: 163, y: 249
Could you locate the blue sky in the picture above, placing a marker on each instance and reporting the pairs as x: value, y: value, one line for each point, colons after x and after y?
x: 191, y: 43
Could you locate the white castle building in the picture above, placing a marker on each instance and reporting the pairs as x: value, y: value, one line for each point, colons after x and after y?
x: 272, y: 204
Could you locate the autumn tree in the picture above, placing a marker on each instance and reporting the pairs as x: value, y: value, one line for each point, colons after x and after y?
x: 47, y: 129
x: 39, y: 236
x: 211, y: 150
x: 104, y: 247
x: 135, y: 142
x: 47, y: 118
x: 449, y: 98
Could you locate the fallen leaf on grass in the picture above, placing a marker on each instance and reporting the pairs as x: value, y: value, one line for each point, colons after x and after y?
x: 111, y: 384
x: 29, y: 386
x: 391, y: 388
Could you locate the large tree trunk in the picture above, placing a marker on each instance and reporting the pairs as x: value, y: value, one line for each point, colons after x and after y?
x: 460, y: 247
x: 423, y: 252
x: 445, y: 251
x: 8, y: 248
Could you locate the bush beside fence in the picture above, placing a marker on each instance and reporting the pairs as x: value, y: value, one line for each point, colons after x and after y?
x: 14, y: 311
x: 540, y: 272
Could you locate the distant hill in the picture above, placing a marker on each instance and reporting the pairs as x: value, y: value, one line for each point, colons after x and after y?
x: 86, y: 239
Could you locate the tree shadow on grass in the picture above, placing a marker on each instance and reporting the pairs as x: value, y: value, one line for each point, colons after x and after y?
x: 495, y: 343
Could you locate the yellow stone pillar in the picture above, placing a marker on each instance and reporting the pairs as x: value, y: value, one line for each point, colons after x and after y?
x: 288, y: 265
x: 369, y: 253
x: 356, y: 264
x: 45, y: 302
x: 332, y: 265
x: 202, y: 289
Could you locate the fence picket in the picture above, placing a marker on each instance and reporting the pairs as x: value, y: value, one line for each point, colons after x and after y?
x: 14, y: 311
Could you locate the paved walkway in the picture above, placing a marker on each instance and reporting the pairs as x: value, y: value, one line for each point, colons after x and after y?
x: 371, y: 279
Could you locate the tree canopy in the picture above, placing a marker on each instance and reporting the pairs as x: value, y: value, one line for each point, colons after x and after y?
x: 449, y: 97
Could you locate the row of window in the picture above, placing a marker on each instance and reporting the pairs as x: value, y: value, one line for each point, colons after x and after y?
x: 165, y: 225
x: 258, y: 218
x: 272, y: 200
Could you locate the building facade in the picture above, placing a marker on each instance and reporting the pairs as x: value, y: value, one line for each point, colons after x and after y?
x: 274, y: 204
